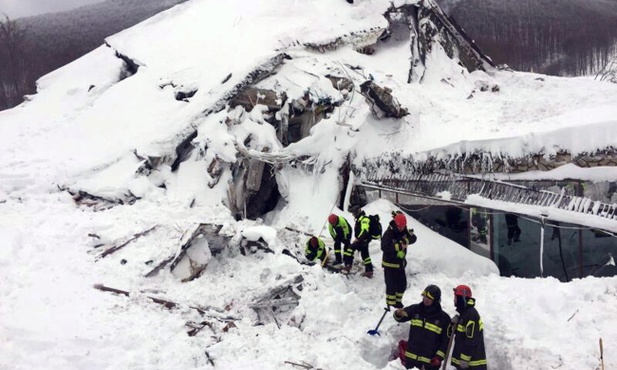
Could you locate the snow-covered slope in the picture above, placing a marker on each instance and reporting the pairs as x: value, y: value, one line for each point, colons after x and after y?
x: 89, y: 129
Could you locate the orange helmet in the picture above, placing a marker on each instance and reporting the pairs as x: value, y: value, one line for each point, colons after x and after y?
x: 463, y: 291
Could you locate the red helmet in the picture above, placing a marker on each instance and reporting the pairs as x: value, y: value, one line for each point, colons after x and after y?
x: 400, y: 220
x: 314, y: 243
x: 333, y: 219
x: 463, y: 291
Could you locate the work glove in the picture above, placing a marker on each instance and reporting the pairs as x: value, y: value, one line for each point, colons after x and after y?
x: 436, y: 361
x: 400, y: 254
x: 464, y: 364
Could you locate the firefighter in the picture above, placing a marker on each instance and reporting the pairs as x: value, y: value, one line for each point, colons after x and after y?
x: 363, y: 238
x: 478, y: 219
x: 514, y: 232
x: 340, y: 231
x: 428, y: 333
x: 394, y: 247
x: 468, y: 352
x: 316, y: 249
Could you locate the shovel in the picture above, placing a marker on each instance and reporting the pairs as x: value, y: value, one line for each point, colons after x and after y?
x: 374, y: 331
x: 450, y: 341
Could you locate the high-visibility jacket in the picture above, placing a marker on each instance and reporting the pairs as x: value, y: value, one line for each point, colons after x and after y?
x: 392, y: 246
x: 341, y: 231
x: 469, y: 338
x: 362, y: 228
x: 428, y: 334
x: 311, y: 253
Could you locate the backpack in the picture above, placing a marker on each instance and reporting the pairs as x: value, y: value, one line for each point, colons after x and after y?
x: 374, y: 226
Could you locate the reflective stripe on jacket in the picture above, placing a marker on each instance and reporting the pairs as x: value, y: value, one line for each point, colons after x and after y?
x: 469, y: 339
x: 394, y: 255
x: 428, y: 332
x: 341, y: 231
x: 362, y: 228
x: 314, y: 253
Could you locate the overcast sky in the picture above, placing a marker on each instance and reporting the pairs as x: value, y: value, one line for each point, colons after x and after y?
x: 24, y: 8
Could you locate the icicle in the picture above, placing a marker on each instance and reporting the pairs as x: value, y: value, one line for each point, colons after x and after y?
x: 542, y: 247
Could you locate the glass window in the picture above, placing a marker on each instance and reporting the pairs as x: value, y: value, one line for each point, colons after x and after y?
x: 516, y: 245
x: 516, y: 249
x: 598, y: 250
x: 561, y: 250
x: 480, y: 225
x: 448, y: 221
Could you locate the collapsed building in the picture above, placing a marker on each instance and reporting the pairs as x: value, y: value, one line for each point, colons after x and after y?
x: 467, y: 197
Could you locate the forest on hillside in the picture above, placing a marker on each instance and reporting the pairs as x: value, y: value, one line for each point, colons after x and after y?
x: 557, y: 37
x: 34, y: 46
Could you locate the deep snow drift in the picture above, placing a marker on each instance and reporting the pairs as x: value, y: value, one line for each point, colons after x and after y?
x: 86, y: 125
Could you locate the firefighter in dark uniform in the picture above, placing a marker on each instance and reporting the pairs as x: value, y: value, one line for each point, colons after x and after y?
x: 340, y: 231
x: 428, y: 334
x: 316, y: 249
x: 514, y: 232
x: 394, y: 247
x: 478, y: 219
x: 468, y: 352
x: 363, y: 238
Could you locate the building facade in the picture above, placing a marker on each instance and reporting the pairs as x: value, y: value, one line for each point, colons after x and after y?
x: 522, y: 244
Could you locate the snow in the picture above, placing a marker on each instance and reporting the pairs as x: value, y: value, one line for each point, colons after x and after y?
x: 565, y: 172
x: 72, y: 135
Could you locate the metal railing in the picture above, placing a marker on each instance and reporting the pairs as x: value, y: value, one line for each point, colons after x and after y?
x: 459, y: 187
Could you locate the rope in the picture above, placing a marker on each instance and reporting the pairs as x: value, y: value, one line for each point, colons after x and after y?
x: 329, y: 212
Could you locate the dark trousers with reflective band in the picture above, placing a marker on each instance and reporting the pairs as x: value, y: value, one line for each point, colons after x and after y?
x: 396, y: 284
x: 338, y: 251
x: 363, y: 248
x: 419, y: 365
x: 473, y: 365
x: 413, y: 361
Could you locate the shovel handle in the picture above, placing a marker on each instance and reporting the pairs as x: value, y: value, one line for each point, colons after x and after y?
x: 374, y: 331
x: 601, y: 354
x: 454, y: 322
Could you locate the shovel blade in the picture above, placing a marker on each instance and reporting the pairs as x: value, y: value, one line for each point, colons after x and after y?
x: 373, y: 333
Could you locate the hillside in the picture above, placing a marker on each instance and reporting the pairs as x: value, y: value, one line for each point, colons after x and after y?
x: 53, y: 40
x: 563, y: 38
x: 570, y: 37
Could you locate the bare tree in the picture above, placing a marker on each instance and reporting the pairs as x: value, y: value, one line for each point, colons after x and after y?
x: 13, y: 75
x: 609, y: 72
x: 567, y: 37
